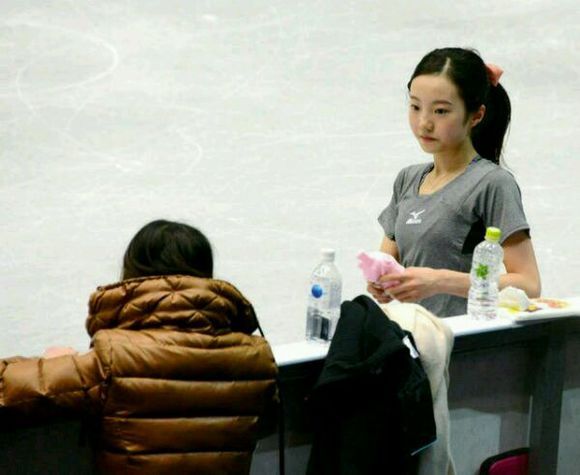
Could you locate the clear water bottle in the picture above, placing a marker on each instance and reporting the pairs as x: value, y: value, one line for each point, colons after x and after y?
x: 482, y: 300
x: 324, y: 298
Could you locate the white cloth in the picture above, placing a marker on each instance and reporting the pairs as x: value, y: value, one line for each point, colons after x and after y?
x: 434, y: 340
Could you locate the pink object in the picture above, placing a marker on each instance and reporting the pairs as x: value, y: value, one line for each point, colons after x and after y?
x: 376, y: 264
x: 494, y: 72
x: 512, y: 462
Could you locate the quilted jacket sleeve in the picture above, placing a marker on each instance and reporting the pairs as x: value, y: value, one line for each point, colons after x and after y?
x: 34, y: 390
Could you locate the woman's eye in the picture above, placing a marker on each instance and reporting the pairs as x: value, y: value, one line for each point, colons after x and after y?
x: 441, y: 111
x: 414, y: 107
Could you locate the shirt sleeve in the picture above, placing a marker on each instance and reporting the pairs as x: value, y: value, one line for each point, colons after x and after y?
x: 501, y: 205
x: 388, y: 216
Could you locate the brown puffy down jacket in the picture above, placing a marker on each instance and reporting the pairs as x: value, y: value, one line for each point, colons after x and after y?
x: 174, y: 382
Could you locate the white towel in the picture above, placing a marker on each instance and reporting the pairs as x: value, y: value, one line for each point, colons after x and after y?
x: 434, y: 340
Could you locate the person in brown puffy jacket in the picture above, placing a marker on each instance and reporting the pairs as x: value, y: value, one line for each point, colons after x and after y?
x: 174, y: 382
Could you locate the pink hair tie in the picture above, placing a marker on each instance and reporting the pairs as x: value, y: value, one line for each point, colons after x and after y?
x: 494, y: 72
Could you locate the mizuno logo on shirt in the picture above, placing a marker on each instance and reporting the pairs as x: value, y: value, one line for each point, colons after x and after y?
x: 415, y: 219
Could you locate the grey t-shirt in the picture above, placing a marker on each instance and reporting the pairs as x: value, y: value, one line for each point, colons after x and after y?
x: 440, y: 230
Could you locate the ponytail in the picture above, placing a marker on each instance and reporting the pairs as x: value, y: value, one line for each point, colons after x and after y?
x: 488, y: 136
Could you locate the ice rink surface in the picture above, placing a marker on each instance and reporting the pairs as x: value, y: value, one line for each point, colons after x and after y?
x: 276, y: 127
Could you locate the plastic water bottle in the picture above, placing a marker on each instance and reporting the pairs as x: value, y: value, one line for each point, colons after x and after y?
x: 482, y: 300
x: 324, y: 298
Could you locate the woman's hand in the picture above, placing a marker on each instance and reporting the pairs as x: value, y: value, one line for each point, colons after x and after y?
x: 415, y: 283
x: 55, y: 351
x: 378, y: 293
x: 381, y: 295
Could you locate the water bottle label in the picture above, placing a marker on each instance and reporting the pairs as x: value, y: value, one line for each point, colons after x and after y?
x: 482, y: 271
x: 316, y: 291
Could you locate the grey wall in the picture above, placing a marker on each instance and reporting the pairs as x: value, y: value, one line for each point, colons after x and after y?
x: 277, y: 127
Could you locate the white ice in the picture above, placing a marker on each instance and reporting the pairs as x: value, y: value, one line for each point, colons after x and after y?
x: 276, y: 127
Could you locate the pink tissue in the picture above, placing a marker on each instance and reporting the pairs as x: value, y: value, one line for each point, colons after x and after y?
x: 375, y: 264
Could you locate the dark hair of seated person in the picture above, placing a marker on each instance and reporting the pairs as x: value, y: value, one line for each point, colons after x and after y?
x: 166, y: 248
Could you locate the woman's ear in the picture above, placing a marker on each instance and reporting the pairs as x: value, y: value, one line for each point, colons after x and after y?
x: 477, y: 116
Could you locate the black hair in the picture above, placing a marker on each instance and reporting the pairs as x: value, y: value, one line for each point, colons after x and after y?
x: 165, y: 248
x: 466, y: 69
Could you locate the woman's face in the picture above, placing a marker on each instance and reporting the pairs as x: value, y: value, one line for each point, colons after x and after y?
x: 437, y: 114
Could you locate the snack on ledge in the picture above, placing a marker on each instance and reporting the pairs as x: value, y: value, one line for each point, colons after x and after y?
x: 551, y: 303
x: 515, y: 299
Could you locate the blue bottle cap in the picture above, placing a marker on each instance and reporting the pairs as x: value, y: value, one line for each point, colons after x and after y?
x: 316, y: 291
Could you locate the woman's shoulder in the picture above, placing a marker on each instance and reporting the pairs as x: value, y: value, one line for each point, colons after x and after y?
x: 492, y: 174
x: 487, y: 167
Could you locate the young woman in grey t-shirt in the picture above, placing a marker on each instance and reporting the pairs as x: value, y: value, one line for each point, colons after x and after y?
x: 439, y: 210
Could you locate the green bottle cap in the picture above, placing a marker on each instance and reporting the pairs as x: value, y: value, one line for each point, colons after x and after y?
x: 492, y: 234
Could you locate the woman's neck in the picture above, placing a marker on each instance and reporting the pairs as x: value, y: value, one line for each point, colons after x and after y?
x: 454, y: 161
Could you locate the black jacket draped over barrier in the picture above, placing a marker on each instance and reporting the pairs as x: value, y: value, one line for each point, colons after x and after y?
x: 372, y: 408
